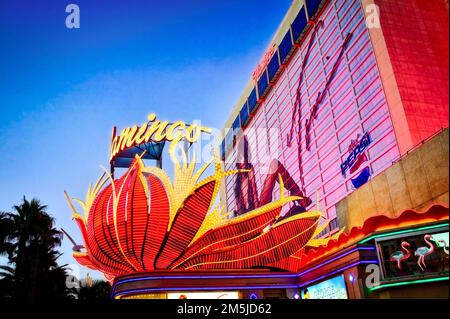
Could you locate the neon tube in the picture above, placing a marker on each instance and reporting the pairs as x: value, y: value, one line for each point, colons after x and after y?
x: 401, y: 232
x: 405, y: 283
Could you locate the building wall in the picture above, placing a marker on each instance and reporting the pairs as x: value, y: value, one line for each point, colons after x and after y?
x: 412, y: 51
x: 392, y: 83
x: 353, y: 105
x: 417, y: 181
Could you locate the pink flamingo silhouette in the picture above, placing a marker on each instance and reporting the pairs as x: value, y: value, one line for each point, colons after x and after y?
x: 423, y: 251
x: 398, y: 256
x: 444, y: 247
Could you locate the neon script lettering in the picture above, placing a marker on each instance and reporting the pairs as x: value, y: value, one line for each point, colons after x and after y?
x: 260, y: 68
x: 155, y: 131
x: 297, y: 105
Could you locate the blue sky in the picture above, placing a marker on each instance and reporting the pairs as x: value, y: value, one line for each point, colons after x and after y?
x: 61, y: 90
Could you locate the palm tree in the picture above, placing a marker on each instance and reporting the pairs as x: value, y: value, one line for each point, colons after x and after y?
x: 5, y: 226
x: 6, y: 248
x: 97, y: 290
x: 6, y: 282
x: 31, y: 241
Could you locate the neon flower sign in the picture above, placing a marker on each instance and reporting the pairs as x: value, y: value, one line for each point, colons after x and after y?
x: 144, y: 221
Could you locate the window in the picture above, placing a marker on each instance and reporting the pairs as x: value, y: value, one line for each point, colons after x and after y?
x: 273, y: 67
x: 286, y: 47
x: 244, y: 114
x: 222, y: 150
x: 263, y: 85
x: 236, y: 124
x: 236, y: 127
x: 298, y: 26
x: 253, y: 101
x: 313, y: 7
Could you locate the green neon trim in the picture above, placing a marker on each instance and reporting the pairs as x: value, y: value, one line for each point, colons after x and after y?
x: 401, y: 232
x: 404, y: 283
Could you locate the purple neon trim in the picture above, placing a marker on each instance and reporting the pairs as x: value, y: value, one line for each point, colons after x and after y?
x: 356, y: 263
x: 246, y: 287
x: 244, y: 276
x: 205, y: 277
x: 202, y: 277
x: 202, y: 288
x: 335, y: 258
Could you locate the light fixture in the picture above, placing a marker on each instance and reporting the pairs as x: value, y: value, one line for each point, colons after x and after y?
x: 351, y: 278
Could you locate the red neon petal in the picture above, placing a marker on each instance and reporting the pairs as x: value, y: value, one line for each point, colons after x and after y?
x: 131, y: 220
x: 106, y: 258
x: 84, y: 260
x: 230, y: 235
x: 158, y: 219
x: 278, y: 243
x: 186, y: 224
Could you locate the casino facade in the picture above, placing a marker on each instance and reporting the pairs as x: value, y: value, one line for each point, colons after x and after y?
x: 331, y: 180
x: 350, y: 106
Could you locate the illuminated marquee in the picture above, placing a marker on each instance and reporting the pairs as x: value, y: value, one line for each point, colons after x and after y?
x: 156, y: 131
